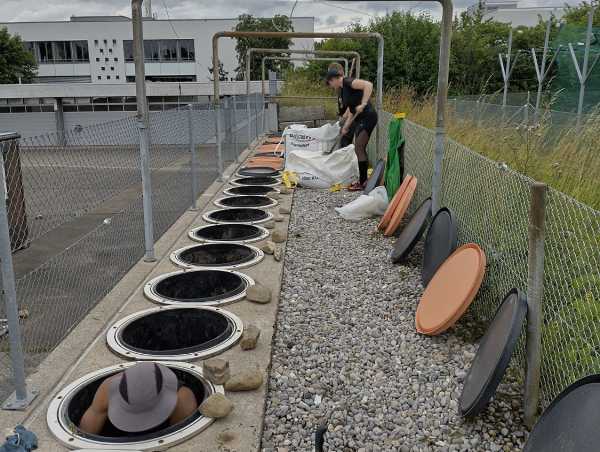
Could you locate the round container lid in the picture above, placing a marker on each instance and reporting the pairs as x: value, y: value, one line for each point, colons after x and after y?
x: 273, y: 140
x: 494, y: 353
x: 401, y: 209
x: 440, y: 243
x: 570, y: 423
x: 412, y: 232
x: 271, y: 147
x: 258, y: 171
x: 451, y: 290
x: 389, y: 212
x: 375, y: 179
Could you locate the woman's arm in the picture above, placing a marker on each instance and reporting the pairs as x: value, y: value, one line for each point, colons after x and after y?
x: 367, y: 88
x: 95, y: 416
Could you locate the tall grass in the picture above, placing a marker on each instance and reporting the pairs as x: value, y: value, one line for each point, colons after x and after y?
x: 567, y: 159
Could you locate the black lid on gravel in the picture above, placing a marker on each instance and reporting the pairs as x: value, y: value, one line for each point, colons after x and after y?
x: 570, y: 423
x: 494, y: 353
x: 258, y: 171
x: 375, y: 179
x: 441, y: 241
x: 412, y: 232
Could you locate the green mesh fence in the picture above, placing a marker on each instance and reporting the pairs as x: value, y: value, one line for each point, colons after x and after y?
x: 491, y: 203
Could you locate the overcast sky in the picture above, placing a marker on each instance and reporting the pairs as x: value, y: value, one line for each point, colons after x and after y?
x: 328, y: 15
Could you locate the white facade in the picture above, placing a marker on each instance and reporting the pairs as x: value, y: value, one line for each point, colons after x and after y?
x: 106, y: 37
x: 508, y: 11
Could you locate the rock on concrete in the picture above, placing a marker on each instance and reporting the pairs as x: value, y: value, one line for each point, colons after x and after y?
x: 216, y: 406
x: 216, y: 370
x: 250, y: 337
x: 258, y: 294
x: 246, y: 380
x: 279, y: 236
x: 267, y: 247
x: 284, y: 210
x: 270, y: 224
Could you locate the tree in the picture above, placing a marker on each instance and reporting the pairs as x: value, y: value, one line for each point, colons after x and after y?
x: 578, y: 15
x: 15, y: 60
x: 223, y: 74
x: 247, y: 22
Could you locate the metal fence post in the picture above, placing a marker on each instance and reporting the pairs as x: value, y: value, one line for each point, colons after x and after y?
x: 193, y: 169
x: 236, y: 145
x: 218, y: 139
x: 535, y: 293
x: 21, y: 397
x: 146, y: 191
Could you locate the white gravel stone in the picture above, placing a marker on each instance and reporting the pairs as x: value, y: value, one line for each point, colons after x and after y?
x: 346, y: 350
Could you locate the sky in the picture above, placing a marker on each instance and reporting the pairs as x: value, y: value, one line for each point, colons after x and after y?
x: 329, y: 16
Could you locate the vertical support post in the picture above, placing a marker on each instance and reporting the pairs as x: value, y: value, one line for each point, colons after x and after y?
x: 21, y: 398
x: 506, y: 70
x: 218, y: 127
x: 143, y: 122
x: 60, y: 122
x: 541, y: 71
x: 194, y: 173
x: 584, y: 73
x: 526, y: 109
x: 442, y: 95
x: 535, y: 293
x: 379, y: 135
x: 236, y: 145
x: 262, y: 83
x: 248, y: 75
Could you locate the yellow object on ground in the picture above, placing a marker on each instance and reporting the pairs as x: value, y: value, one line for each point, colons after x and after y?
x: 289, y: 179
x: 336, y: 187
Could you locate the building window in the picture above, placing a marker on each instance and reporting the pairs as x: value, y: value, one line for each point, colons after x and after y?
x: 96, y: 41
x: 186, y: 49
x: 53, y: 52
x: 151, y: 50
x: 105, y: 41
x: 110, y: 50
x: 116, y: 59
x: 99, y: 77
x: 102, y: 68
x: 112, y: 68
x: 114, y: 41
x: 101, y: 50
x: 98, y: 60
x: 108, y: 77
x: 117, y: 77
x: 164, y: 50
x: 106, y: 60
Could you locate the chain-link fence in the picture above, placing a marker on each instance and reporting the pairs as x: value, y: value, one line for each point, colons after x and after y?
x: 491, y: 203
x: 75, y: 211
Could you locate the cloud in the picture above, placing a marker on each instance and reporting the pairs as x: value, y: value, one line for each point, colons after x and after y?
x: 337, y: 14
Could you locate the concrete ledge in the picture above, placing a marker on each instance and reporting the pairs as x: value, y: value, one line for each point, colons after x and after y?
x: 84, y: 350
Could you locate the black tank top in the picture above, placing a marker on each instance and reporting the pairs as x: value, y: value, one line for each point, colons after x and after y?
x: 352, y: 98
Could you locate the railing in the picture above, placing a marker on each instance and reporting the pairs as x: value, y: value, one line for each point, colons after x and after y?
x: 75, y: 214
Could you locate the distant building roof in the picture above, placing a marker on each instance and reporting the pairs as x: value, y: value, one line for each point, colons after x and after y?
x: 99, y: 19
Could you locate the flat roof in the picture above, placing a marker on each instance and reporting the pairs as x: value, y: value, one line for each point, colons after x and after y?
x: 125, y: 18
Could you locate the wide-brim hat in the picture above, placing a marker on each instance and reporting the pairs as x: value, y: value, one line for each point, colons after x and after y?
x: 142, y: 397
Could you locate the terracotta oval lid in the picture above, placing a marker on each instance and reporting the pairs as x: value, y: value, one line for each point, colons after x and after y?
x: 394, y: 203
x: 451, y: 290
x: 270, y: 147
x: 268, y: 154
x: 402, y: 207
x: 376, y: 177
x: 273, y: 140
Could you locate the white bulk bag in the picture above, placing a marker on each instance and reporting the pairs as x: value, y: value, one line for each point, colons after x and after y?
x: 319, y: 139
x: 316, y: 170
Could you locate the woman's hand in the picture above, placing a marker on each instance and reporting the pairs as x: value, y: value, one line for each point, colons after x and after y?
x: 360, y: 109
x: 345, y: 130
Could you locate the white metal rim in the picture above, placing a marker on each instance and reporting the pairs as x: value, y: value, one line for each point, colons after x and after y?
x: 237, y: 184
x: 227, y: 191
x: 264, y: 233
x: 116, y: 345
x: 152, y: 295
x: 273, y: 202
x: 62, y: 429
x: 206, y: 217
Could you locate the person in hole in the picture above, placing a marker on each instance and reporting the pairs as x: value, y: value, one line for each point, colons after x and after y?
x: 145, y: 397
x: 358, y: 111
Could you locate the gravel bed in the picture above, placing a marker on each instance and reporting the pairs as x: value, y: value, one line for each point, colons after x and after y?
x: 346, y: 350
